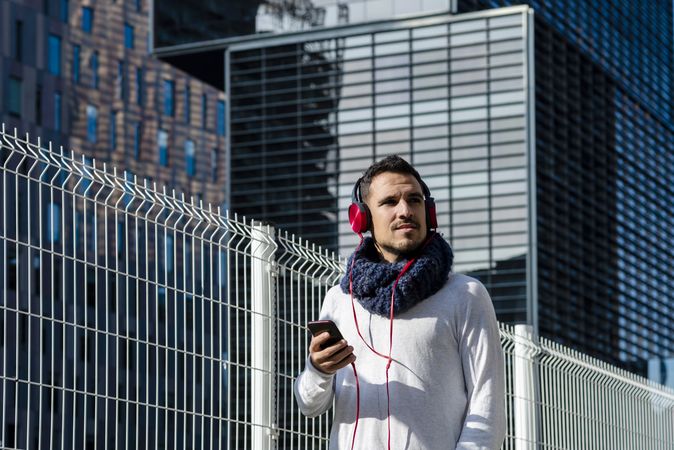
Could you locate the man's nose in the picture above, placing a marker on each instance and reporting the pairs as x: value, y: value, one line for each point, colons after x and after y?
x: 405, y: 209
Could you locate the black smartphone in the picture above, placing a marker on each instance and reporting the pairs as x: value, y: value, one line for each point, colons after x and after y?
x: 318, y: 326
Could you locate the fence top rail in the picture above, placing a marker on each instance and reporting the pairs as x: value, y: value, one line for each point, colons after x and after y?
x: 99, y: 183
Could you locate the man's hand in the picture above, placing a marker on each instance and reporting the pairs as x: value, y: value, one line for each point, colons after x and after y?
x: 330, y: 359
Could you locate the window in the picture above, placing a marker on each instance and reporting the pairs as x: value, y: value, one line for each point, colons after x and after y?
x: 92, y: 123
x: 220, y: 125
x: 57, y: 111
x: 38, y: 105
x: 187, y: 102
x: 113, y: 130
x: 162, y: 142
x: 93, y: 63
x: 214, y: 164
x: 76, y: 63
x: 139, y: 86
x: 204, y: 110
x: 139, y: 5
x: 53, y: 222
x: 87, y: 19
x: 18, y: 40
x: 189, y: 158
x: 14, y: 100
x: 121, y: 83
x: 54, y: 54
x: 64, y: 11
x: 169, y: 93
x: 137, y: 133
x: 128, y: 36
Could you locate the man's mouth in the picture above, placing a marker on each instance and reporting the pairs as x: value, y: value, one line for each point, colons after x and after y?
x: 407, y: 226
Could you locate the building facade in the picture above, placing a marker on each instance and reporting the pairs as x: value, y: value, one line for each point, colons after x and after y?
x: 88, y: 334
x: 605, y: 174
x: 550, y: 156
x: 79, y: 75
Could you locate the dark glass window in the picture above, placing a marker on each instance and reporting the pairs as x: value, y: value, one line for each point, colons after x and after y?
x: 38, y: 105
x: 139, y: 86
x: 162, y: 143
x: 113, y: 130
x: 57, y: 111
x: 87, y: 19
x: 18, y: 40
x: 121, y: 80
x: 137, y: 134
x: 220, y: 126
x: 189, y: 158
x: 187, y: 102
x: 64, y: 10
x: 53, y: 222
x: 128, y: 36
x: 169, y: 94
x: 14, y: 97
x: 76, y: 63
x: 204, y: 110
x: 54, y: 54
x: 139, y: 5
x: 92, y: 123
x: 93, y: 62
x: 214, y: 164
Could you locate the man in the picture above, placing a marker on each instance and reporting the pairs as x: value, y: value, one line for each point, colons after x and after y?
x: 429, y: 376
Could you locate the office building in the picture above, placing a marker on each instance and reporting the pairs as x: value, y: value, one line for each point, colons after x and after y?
x: 556, y: 192
x: 88, y: 341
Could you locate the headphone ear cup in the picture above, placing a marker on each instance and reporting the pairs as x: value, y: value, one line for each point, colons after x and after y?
x: 431, y: 216
x: 359, y: 217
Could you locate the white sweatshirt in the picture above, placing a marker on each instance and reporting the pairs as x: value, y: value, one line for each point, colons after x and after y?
x: 446, y: 380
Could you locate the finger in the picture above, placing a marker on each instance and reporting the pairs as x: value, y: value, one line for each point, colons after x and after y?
x: 345, y: 362
x: 334, y: 365
x: 318, y: 341
x: 330, y: 352
x: 330, y: 359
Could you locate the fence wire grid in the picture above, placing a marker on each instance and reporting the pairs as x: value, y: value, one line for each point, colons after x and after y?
x: 133, y: 317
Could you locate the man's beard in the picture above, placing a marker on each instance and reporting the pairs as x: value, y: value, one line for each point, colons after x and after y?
x: 406, y: 248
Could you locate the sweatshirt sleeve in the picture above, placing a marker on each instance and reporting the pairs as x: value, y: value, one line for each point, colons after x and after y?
x: 483, y: 369
x: 314, y: 389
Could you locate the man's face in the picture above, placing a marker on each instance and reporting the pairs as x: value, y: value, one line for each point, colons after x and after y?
x: 396, y: 203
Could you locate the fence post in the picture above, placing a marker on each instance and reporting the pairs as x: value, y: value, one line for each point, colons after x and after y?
x: 262, y: 336
x: 524, y: 387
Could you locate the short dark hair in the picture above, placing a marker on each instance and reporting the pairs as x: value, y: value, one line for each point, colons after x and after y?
x: 392, y: 163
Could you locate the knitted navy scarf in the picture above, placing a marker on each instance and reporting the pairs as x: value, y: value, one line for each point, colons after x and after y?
x: 373, y: 278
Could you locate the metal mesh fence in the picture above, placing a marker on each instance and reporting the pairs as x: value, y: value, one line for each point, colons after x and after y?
x: 131, y: 317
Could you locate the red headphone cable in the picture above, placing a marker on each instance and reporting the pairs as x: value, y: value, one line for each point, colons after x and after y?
x: 388, y: 358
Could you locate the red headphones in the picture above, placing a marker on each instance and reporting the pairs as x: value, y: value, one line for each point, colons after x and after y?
x: 361, y: 220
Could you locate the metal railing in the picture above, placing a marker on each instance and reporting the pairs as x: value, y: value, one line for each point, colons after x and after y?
x: 136, y: 318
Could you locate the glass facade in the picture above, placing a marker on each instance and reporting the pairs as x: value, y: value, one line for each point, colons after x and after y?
x: 605, y: 178
x: 448, y: 94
